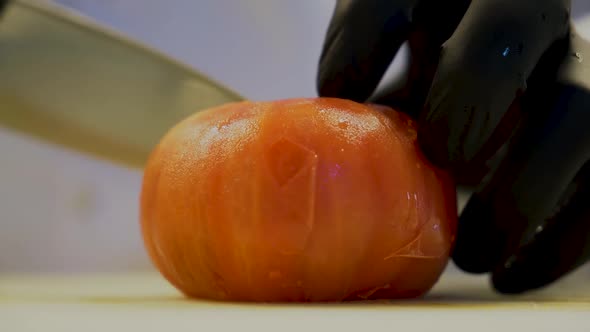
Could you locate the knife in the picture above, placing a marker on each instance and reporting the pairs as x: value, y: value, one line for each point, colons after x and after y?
x: 72, y: 82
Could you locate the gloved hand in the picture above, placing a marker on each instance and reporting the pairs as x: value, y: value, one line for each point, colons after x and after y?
x: 491, y: 82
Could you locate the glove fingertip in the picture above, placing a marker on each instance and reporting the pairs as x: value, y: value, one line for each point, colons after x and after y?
x: 475, y: 250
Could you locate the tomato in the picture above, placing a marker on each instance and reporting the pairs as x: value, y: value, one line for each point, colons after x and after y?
x: 314, y: 199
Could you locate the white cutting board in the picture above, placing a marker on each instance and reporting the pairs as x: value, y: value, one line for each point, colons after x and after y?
x: 146, y: 302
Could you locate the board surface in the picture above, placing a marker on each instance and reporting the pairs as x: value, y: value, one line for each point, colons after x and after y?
x: 146, y: 302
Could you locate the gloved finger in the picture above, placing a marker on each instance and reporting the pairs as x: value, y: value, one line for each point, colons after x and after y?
x: 483, y: 67
x: 561, y: 243
x: 521, y: 195
x: 362, y: 39
x: 558, y: 248
x: 408, y: 93
x: 433, y: 22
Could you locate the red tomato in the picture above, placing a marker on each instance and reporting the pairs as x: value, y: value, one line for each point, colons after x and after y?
x: 297, y: 200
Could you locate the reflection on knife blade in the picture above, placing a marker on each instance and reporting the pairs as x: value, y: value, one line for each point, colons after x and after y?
x: 71, y: 82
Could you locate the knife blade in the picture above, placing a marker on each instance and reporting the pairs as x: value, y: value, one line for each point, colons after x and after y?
x: 72, y: 82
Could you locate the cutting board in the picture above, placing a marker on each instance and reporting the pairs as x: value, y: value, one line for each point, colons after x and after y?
x: 146, y: 302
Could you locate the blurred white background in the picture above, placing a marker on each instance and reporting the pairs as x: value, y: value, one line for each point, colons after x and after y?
x: 60, y: 211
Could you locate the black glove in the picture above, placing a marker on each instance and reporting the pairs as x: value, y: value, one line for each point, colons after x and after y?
x: 500, y: 88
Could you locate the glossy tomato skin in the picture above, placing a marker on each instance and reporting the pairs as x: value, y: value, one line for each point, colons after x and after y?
x: 313, y: 199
